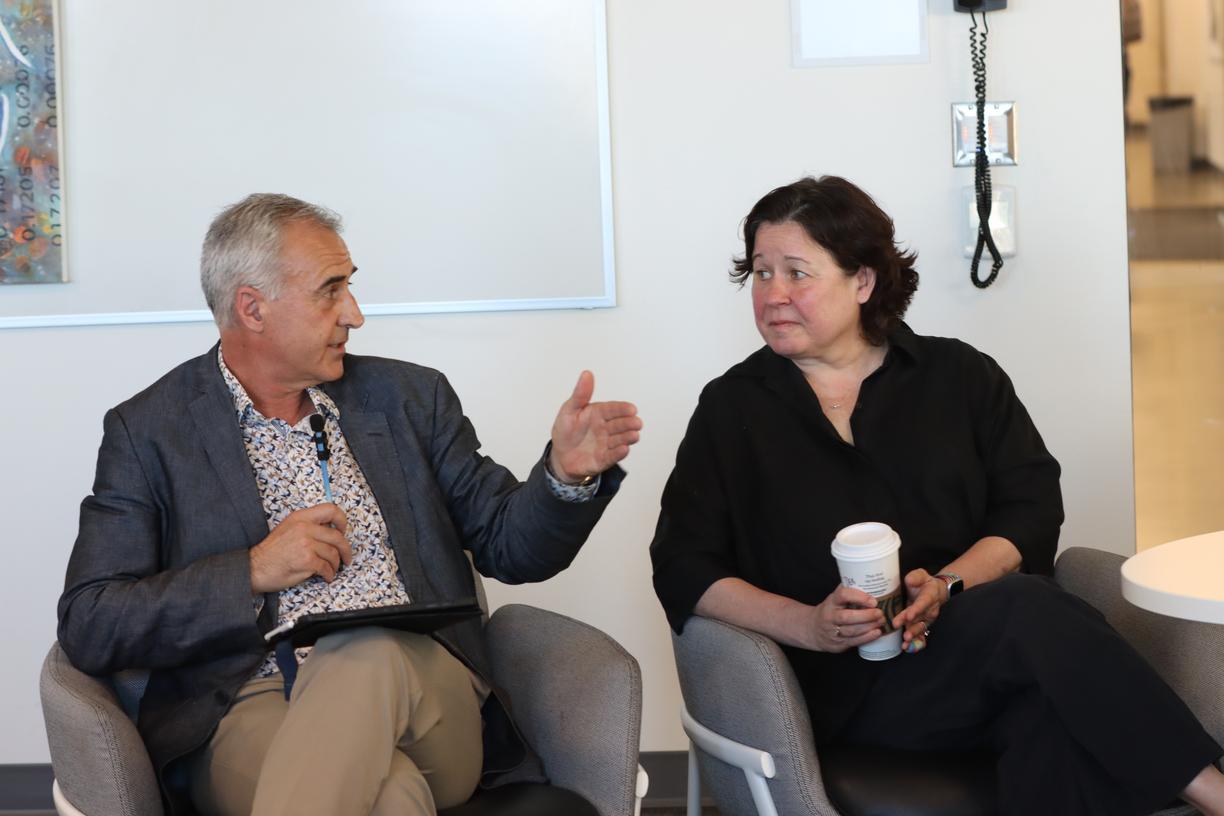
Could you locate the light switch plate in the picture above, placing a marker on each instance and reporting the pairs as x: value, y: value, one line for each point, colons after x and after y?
x: 1000, y: 133
x: 1002, y: 221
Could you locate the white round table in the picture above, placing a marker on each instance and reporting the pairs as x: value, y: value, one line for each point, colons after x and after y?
x: 1183, y: 578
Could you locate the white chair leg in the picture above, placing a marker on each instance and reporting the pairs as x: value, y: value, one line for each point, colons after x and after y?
x: 640, y: 789
x: 694, y: 783
x: 756, y: 764
x: 62, y: 806
x: 760, y: 794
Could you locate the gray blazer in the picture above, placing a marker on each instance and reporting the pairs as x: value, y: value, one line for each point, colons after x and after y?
x: 159, y: 576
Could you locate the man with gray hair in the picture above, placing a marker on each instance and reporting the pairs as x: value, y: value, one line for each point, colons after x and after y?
x: 209, y: 525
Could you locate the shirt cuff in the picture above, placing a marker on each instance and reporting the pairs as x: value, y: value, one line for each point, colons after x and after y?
x: 572, y: 493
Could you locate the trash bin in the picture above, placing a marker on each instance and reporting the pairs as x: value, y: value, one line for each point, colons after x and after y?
x: 1172, y: 133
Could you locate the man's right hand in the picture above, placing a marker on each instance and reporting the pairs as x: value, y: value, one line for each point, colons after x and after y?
x: 308, y: 542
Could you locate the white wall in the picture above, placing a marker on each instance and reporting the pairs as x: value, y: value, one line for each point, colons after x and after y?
x: 707, y: 115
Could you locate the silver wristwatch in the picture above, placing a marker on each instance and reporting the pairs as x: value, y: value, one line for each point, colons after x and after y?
x: 956, y: 584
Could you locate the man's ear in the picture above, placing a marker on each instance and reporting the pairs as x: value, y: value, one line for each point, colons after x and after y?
x: 249, y: 305
x: 865, y: 280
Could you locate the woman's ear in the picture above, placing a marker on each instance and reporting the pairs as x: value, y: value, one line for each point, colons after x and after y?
x: 865, y: 280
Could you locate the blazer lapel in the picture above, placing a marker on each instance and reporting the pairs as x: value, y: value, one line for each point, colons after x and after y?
x: 372, y: 445
x: 213, y: 413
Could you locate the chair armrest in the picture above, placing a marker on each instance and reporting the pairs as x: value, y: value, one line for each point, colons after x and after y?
x: 1189, y: 655
x: 740, y: 685
x: 577, y: 698
x: 746, y: 758
x: 757, y: 765
x: 99, y: 759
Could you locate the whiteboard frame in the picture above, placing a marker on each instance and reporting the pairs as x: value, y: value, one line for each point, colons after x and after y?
x: 604, y: 300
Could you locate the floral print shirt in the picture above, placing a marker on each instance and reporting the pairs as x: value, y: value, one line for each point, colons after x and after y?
x: 289, y: 478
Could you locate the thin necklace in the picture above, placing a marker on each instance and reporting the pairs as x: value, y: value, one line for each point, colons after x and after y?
x: 833, y: 406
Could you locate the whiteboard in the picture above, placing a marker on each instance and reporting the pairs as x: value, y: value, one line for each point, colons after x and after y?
x: 465, y: 143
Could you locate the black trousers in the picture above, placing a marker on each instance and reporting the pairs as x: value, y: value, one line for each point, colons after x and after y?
x: 1080, y: 722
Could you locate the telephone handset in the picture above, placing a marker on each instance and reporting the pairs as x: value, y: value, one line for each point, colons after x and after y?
x: 981, y: 164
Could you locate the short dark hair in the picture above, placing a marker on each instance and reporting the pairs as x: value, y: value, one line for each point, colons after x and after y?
x: 854, y: 230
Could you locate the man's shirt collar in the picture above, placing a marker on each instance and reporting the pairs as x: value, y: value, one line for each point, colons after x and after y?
x: 245, y: 408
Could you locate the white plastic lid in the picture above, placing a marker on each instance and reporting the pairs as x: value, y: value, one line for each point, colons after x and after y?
x: 865, y: 541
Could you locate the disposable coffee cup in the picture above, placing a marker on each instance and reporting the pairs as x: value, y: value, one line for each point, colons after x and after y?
x: 867, y: 559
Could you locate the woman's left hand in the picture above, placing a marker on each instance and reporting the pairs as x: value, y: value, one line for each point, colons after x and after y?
x: 925, y: 596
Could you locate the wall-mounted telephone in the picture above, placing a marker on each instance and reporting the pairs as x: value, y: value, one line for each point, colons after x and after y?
x: 981, y: 164
x: 979, y: 5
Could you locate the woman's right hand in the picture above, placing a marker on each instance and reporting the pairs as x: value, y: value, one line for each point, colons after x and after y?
x: 846, y: 619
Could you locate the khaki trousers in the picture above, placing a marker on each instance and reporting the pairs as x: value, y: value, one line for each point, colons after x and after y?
x: 379, y: 722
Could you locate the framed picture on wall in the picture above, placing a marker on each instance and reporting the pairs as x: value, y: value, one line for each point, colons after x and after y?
x: 31, y: 145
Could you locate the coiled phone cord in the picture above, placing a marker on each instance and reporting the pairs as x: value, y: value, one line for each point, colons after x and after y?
x: 981, y: 165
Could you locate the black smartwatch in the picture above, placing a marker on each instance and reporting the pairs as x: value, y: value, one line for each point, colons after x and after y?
x: 956, y: 584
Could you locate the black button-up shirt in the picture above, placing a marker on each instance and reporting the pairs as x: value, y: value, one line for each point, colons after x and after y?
x: 944, y: 452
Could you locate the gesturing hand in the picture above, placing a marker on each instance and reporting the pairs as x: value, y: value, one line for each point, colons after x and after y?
x: 590, y: 437
x: 925, y: 597
x: 847, y: 618
x: 307, y: 542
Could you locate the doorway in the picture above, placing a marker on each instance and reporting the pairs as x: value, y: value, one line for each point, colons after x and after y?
x: 1175, y: 215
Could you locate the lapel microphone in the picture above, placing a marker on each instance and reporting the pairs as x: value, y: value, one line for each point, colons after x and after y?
x: 322, y: 451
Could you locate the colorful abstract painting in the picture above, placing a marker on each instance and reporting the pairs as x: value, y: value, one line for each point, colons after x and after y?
x: 31, y: 185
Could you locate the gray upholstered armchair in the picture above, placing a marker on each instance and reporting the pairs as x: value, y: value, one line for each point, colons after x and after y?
x: 752, y: 743
x: 577, y: 697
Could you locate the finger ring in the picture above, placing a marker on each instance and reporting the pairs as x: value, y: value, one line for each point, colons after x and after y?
x: 926, y: 633
x: 837, y: 632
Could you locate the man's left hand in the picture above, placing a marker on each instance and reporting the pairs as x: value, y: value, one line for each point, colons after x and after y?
x: 590, y: 437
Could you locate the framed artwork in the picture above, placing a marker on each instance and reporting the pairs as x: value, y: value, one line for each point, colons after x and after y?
x: 31, y: 181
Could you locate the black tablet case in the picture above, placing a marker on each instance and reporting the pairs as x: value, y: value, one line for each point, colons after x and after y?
x: 420, y: 617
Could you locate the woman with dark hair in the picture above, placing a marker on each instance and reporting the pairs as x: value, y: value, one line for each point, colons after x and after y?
x: 848, y: 416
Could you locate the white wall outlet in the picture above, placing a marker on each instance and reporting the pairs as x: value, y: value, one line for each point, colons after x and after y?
x: 1002, y: 221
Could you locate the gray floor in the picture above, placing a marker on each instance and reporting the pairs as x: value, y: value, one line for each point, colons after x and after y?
x: 645, y: 812
x: 25, y: 790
